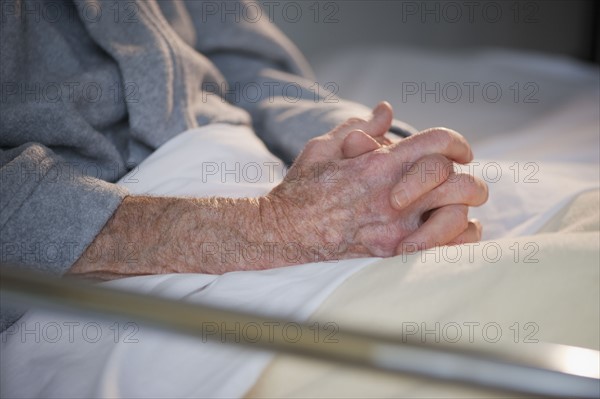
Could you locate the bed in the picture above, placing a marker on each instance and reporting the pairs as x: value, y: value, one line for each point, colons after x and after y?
x: 535, y: 277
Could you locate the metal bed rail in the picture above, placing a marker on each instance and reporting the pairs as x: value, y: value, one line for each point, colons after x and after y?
x: 545, y: 370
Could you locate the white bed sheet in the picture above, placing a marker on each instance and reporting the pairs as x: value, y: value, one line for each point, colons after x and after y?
x: 161, y: 365
x: 156, y: 363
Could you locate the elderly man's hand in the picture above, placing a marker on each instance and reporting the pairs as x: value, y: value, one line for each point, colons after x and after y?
x: 351, y: 193
x: 347, y: 195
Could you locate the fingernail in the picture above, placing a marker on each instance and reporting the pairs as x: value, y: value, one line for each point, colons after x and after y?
x: 400, y: 198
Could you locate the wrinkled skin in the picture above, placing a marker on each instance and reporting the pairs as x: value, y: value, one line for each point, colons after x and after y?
x: 351, y: 193
x: 340, y: 191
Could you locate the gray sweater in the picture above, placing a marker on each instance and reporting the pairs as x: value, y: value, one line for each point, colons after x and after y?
x: 89, y: 89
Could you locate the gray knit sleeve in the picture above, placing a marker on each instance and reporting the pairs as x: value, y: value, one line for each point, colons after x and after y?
x: 49, y: 212
x: 268, y: 77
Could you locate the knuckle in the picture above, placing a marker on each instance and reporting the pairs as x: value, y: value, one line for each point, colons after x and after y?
x: 442, y: 166
x: 355, y: 121
x: 312, y: 143
x: 438, y: 159
x: 459, y: 216
x: 447, y: 138
x: 470, y: 188
x: 476, y: 190
x: 442, y: 136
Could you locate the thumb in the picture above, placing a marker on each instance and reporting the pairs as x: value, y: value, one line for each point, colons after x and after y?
x: 381, y: 121
x: 357, y: 143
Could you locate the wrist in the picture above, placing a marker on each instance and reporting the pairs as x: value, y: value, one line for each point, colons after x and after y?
x: 213, y: 236
x: 296, y: 237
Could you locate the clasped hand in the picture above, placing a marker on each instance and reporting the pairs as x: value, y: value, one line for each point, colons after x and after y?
x: 356, y: 191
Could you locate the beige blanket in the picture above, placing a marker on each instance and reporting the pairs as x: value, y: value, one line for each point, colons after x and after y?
x: 505, y: 294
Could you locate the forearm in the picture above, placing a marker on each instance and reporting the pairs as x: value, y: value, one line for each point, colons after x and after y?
x: 311, y: 216
x: 187, y: 235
